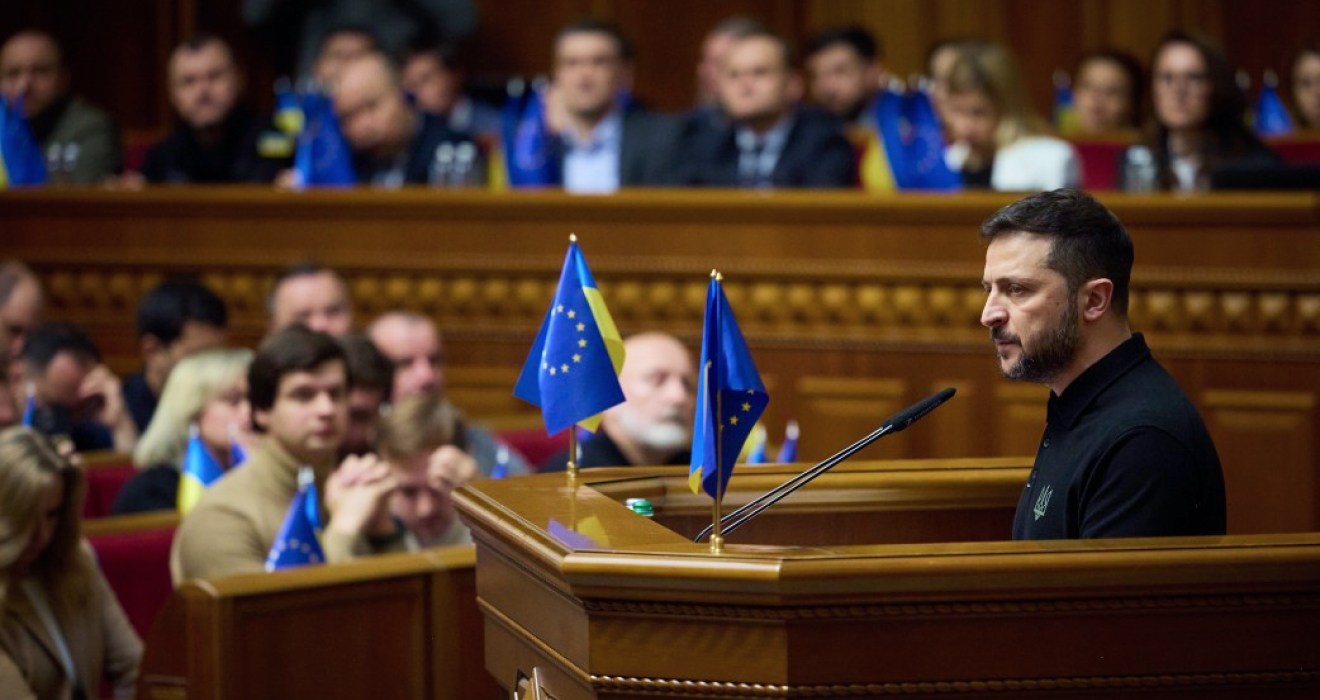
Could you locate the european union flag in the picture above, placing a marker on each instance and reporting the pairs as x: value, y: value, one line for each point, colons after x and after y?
x: 529, y: 150
x: 572, y: 372
x: 297, y: 543
x: 730, y: 397
x: 322, y: 158
x: 1271, y: 118
x: 200, y: 470
x: 20, y: 156
x: 926, y: 146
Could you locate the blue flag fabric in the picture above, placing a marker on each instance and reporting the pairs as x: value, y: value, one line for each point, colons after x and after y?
x: 757, y: 455
x: 288, y: 109
x: 926, y: 146
x: 529, y: 150
x: 29, y: 411
x: 323, y: 158
x: 788, y: 451
x: 21, y: 162
x: 572, y: 371
x: 1271, y: 118
x: 297, y: 543
x: 890, y: 121
x: 730, y: 397
x: 200, y: 470
x: 237, y: 455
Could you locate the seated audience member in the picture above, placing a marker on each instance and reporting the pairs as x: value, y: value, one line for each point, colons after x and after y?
x: 217, y: 138
x: 412, y: 342
x: 1306, y: 85
x: 174, y: 320
x: 653, y: 425
x: 392, y: 143
x: 1198, y: 114
x: 939, y: 63
x: 769, y: 141
x: 312, y: 295
x: 433, y: 77
x: 1107, y: 89
x: 371, y: 382
x: 422, y: 440
x: 79, y: 141
x: 714, y: 48
x: 57, y: 605
x: 604, y: 142
x: 10, y: 413
x: 846, y: 74
x: 208, y: 390
x: 21, y: 302
x: 78, y: 399
x: 338, y: 48
x: 298, y: 389
x: 997, y: 142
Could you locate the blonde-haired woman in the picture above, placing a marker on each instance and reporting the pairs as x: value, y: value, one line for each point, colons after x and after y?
x: 997, y: 142
x: 208, y: 389
x: 62, y: 631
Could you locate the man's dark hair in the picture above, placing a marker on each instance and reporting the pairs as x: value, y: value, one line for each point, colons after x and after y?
x: 738, y: 27
x: 198, y: 41
x: 12, y: 273
x: 293, y: 349
x: 862, y: 42
x: 361, y: 30
x: 46, y: 341
x: 164, y: 310
x: 304, y: 268
x: 368, y: 368
x: 1088, y: 241
x: 446, y: 54
x: 622, y: 46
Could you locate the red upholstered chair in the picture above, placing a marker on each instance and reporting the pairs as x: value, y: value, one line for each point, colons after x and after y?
x: 1100, y: 163
x: 1302, y: 149
x: 105, y: 473
x: 533, y: 443
x: 134, y: 553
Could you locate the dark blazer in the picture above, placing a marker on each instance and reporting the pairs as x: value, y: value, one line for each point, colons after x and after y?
x: 816, y: 154
x: 432, y: 131
x: 646, y: 154
x: 180, y: 158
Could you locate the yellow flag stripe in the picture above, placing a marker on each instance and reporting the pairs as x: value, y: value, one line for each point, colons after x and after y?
x: 613, y: 342
x: 190, y: 491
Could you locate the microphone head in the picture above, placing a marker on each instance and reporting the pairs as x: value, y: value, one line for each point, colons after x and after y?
x: 917, y: 411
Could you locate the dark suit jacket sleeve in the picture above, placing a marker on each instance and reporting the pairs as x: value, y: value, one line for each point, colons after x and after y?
x: 827, y: 160
x: 647, y: 154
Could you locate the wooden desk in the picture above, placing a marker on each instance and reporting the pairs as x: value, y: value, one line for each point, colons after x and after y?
x: 854, y: 305
x: 395, y: 626
x: 602, y: 603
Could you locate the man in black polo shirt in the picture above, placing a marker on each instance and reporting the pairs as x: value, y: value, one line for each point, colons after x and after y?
x: 1125, y: 453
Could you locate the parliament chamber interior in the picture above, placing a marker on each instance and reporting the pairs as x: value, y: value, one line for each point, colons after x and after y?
x: 901, y: 571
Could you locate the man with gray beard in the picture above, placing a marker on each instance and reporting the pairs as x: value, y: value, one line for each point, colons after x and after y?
x: 653, y: 425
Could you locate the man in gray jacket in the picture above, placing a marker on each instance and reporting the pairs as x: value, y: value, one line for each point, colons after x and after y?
x: 79, y: 141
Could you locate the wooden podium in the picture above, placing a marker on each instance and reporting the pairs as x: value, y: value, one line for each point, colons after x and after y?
x: 882, y: 578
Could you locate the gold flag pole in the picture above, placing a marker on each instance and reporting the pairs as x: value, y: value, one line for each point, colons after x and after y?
x: 716, y: 538
x: 572, y: 468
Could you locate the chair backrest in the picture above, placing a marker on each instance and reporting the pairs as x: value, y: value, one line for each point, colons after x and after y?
x: 1303, y: 149
x: 134, y: 554
x: 1100, y: 163
x: 105, y: 473
x: 534, y: 444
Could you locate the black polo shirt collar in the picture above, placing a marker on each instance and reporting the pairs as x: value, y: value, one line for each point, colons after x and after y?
x: 1064, y: 410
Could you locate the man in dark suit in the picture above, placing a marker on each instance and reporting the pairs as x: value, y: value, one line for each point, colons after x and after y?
x: 769, y: 140
x: 606, y: 142
x: 392, y: 142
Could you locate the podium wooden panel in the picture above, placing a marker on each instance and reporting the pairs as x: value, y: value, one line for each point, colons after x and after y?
x: 600, y: 602
x: 400, y: 626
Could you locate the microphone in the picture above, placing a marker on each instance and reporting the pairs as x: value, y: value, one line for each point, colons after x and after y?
x: 897, y: 423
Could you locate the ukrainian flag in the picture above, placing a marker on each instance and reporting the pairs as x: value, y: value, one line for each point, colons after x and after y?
x: 200, y: 470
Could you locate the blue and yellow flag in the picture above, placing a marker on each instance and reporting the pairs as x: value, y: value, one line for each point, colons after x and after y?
x: 21, y: 162
x: 788, y: 451
x: 1065, y: 112
x: 322, y: 158
x: 200, y: 470
x: 926, y: 169
x: 730, y: 397
x: 297, y: 543
x: 531, y: 159
x: 572, y: 371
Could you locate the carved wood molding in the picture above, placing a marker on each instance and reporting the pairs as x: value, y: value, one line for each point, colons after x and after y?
x: 960, y: 609
x: 716, y: 689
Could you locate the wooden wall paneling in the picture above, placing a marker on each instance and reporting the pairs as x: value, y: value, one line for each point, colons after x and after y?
x: 1266, y: 443
x: 833, y: 406
x: 1020, y: 413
